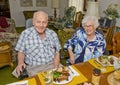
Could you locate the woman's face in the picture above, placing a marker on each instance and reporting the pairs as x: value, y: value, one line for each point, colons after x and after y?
x: 40, y: 23
x: 89, y: 28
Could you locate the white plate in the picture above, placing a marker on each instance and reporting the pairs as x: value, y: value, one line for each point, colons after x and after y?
x: 108, y: 64
x: 65, y: 81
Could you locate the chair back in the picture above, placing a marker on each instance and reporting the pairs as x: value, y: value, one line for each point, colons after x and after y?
x: 67, y: 20
x: 108, y: 37
x: 78, y: 19
x: 28, y: 23
x: 116, y: 43
x: 70, y: 12
x: 63, y: 36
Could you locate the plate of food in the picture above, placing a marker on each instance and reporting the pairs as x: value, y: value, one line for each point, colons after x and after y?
x: 62, y: 75
x: 105, y: 60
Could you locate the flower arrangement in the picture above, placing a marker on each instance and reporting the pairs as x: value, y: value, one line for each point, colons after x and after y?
x: 112, y: 12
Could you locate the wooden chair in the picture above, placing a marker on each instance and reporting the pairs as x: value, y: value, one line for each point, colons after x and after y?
x: 108, y: 37
x: 78, y: 19
x: 116, y: 43
x: 6, y: 54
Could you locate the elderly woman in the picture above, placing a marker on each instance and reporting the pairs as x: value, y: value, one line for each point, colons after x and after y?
x: 86, y: 42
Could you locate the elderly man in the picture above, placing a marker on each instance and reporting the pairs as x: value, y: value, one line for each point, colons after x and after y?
x: 38, y: 47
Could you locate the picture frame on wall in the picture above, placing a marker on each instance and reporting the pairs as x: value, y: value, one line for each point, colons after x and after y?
x: 41, y: 3
x: 26, y: 3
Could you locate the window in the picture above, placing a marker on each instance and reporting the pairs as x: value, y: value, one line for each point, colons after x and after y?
x: 79, y: 4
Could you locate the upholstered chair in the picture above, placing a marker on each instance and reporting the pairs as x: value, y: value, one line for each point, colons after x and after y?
x: 67, y: 20
x: 28, y: 23
x: 63, y: 36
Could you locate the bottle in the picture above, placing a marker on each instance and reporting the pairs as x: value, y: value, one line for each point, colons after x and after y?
x: 96, y: 76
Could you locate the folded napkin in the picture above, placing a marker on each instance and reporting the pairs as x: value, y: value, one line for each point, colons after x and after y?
x: 31, y: 81
x: 104, y: 69
x: 78, y: 77
x: 73, y: 71
x: 19, y: 83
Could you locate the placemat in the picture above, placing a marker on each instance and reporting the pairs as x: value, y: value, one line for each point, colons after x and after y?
x: 104, y: 69
x: 32, y: 81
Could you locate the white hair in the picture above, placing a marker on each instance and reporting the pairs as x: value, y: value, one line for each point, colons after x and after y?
x: 88, y: 18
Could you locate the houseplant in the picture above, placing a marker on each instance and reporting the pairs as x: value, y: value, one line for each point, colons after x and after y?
x: 111, y: 12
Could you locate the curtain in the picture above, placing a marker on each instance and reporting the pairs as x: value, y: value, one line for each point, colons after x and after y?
x: 79, y: 4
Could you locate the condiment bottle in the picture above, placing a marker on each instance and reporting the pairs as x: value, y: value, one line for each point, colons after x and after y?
x: 96, y: 76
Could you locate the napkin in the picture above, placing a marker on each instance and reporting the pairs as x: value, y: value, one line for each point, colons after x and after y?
x: 104, y: 69
x: 19, y: 83
x: 79, y: 77
x: 30, y: 81
x: 73, y: 71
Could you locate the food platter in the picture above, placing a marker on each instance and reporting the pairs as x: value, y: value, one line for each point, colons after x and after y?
x: 106, y: 60
x: 65, y: 81
x: 62, y: 75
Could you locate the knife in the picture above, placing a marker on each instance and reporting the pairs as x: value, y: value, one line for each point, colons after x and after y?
x: 70, y: 70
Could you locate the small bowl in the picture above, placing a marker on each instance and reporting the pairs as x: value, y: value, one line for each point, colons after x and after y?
x: 47, y: 80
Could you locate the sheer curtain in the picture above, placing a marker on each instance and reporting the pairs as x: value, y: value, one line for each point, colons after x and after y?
x: 79, y: 4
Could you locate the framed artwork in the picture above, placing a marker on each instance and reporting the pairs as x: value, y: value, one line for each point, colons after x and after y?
x: 41, y: 3
x: 26, y: 3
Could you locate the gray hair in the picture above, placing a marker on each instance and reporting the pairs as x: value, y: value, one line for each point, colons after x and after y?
x: 40, y: 12
x: 88, y: 18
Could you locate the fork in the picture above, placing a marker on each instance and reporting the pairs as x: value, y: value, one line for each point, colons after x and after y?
x: 102, y: 68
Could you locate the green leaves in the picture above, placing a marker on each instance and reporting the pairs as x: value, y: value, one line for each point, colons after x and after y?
x: 112, y: 12
x: 56, y: 74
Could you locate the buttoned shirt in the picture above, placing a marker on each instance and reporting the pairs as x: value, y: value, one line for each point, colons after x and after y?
x: 92, y: 49
x: 36, y: 50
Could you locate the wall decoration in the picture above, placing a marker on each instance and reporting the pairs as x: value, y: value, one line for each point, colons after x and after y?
x: 26, y: 3
x: 41, y: 3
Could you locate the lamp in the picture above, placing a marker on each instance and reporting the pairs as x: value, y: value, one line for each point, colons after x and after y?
x: 55, y: 5
x: 93, y: 9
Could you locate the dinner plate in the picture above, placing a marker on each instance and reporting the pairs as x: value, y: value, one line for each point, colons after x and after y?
x: 108, y: 64
x: 65, y: 81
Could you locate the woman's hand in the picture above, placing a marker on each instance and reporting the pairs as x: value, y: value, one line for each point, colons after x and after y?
x: 72, y: 58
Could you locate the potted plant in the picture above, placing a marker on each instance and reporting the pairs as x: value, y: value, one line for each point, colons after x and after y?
x: 111, y: 12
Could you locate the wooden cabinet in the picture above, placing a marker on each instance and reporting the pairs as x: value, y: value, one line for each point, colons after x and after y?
x: 5, y: 55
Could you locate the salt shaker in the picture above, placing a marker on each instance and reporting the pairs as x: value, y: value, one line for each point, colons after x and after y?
x: 96, y: 76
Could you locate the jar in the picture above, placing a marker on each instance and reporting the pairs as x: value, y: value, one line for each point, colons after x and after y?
x: 96, y: 76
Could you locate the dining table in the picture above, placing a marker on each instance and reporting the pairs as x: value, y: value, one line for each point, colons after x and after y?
x: 85, y: 69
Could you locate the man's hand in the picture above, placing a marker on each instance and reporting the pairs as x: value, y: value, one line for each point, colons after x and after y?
x: 19, y: 68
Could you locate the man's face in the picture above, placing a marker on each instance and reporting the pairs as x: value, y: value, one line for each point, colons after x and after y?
x: 89, y: 28
x: 40, y: 22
